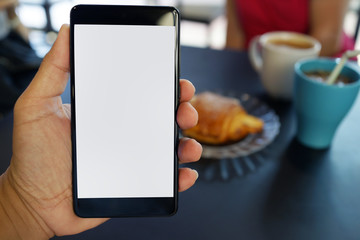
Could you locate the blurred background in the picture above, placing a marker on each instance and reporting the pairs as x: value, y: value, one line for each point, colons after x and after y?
x: 203, y: 21
x: 28, y: 30
x: 203, y: 24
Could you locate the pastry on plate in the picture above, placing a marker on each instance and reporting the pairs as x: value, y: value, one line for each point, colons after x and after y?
x: 222, y: 120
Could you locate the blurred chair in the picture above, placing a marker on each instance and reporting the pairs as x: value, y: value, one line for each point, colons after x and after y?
x: 44, y: 18
x: 43, y: 21
x: 357, y: 27
x: 353, y: 22
x: 41, y: 5
x: 204, y: 12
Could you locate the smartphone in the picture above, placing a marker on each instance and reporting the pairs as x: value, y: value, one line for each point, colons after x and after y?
x: 124, y: 97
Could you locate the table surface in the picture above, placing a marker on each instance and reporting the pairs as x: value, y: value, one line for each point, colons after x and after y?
x: 285, y: 191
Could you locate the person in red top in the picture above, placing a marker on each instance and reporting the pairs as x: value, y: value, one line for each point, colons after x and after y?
x: 322, y: 19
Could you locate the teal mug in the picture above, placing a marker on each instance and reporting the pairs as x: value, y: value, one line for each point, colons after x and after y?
x: 320, y: 107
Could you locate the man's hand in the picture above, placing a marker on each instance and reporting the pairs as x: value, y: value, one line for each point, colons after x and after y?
x: 36, y: 190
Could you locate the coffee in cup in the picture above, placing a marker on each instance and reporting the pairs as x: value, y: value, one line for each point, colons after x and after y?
x: 291, y: 43
x: 273, y: 56
x: 322, y: 76
x: 320, y: 107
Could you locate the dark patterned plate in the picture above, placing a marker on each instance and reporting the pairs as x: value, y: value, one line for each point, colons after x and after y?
x: 253, y: 142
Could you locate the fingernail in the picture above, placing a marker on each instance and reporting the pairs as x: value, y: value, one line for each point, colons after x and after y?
x: 197, y: 174
x: 199, y: 144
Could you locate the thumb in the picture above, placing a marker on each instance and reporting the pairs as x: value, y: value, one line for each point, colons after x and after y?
x: 53, y: 75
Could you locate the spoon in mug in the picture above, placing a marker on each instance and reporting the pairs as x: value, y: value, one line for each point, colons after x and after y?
x: 335, y: 73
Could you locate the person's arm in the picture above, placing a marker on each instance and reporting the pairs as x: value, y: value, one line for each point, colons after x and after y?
x: 7, y: 3
x: 234, y: 34
x: 326, y: 23
x: 15, y: 22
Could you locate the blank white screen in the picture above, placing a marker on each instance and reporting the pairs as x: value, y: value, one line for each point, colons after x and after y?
x: 124, y: 83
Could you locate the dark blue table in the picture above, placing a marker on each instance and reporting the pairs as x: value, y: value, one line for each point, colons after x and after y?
x: 286, y: 191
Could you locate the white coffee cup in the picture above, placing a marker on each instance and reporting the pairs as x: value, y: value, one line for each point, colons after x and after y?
x: 274, y: 54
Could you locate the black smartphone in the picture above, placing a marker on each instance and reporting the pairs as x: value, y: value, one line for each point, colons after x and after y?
x: 124, y: 97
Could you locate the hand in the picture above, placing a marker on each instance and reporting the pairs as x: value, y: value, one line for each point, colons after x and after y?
x: 38, y: 182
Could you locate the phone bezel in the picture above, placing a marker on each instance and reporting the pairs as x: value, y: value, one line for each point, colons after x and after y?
x: 123, y: 15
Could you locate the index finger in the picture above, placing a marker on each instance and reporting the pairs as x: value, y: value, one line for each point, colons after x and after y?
x: 187, y: 90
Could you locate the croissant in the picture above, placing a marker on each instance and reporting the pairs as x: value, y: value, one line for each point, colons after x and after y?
x: 222, y: 120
